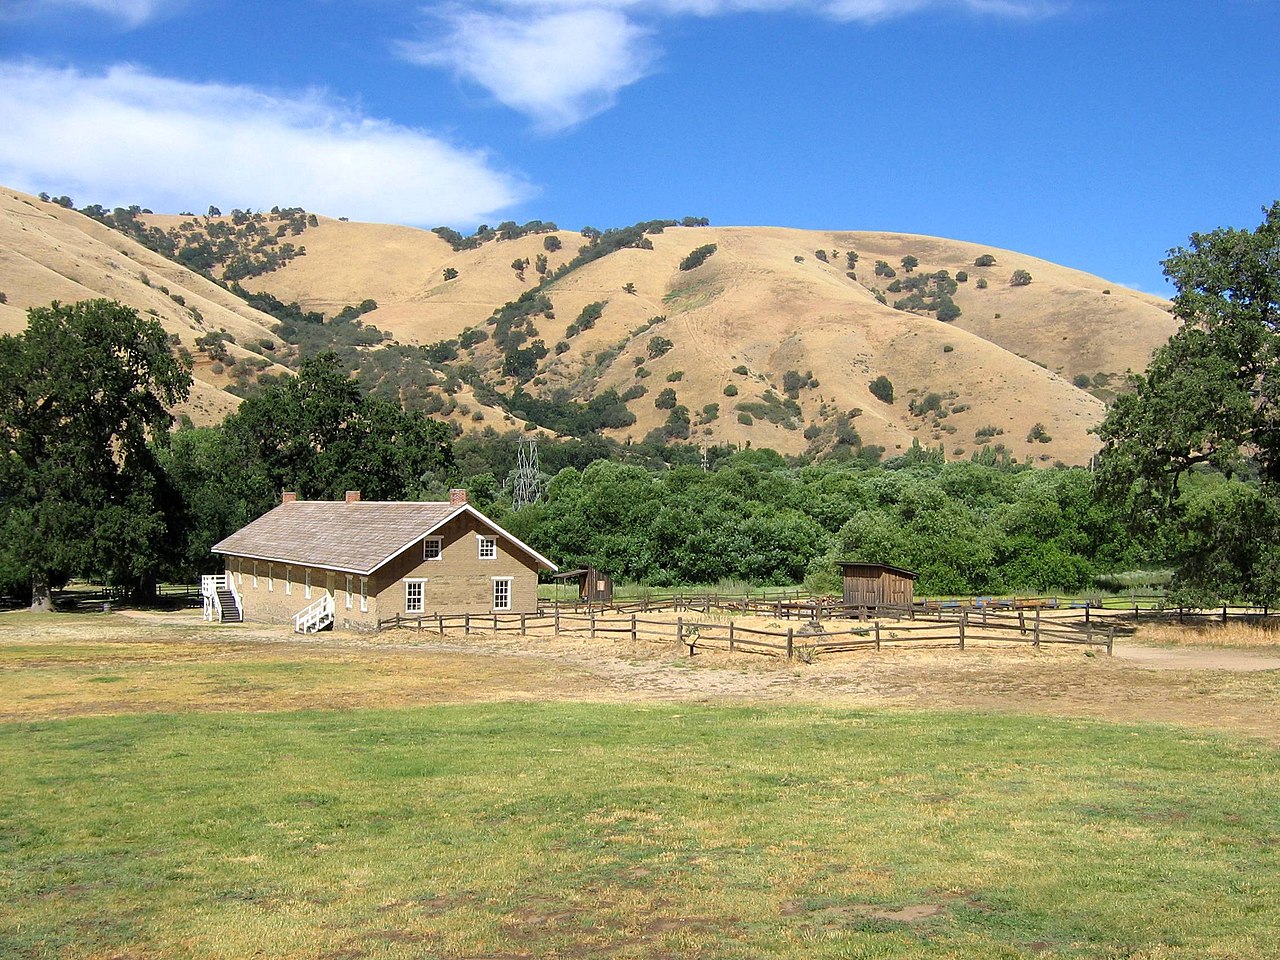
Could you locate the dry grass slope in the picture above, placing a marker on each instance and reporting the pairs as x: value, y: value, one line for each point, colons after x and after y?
x: 764, y: 302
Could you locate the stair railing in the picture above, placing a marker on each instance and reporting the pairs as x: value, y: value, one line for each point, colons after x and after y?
x: 209, y: 592
x: 311, y: 617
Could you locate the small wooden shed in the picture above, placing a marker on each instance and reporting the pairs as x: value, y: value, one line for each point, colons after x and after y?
x: 876, y: 585
x: 593, y: 586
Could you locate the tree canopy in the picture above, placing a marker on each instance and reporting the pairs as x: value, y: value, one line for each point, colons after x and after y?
x: 84, y: 398
x: 1196, y: 443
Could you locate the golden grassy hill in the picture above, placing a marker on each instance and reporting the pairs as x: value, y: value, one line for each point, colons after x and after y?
x: 50, y: 253
x: 1006, y: 364
x: 764, y: 303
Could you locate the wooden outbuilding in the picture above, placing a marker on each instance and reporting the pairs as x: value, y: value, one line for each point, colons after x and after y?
x: 593, y: 585
x: 878, y: 585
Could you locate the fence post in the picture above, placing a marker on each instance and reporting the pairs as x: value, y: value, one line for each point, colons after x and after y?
x: 1111, y: 638
x: 466, y: 624
x: 964, y: 618
x: 680, y: 630
x: 557, y: 624
x: 791, y: 640
x: 419, y: 623
x: 439, y: 624
x: 1224, y: 613
x: 1036, y: 640
x: 593, y: 624
x: 1087, y: 605
x: 731, y: 636
x: 877, y: 635
x: 524, y: 630
x: 1022, y: 623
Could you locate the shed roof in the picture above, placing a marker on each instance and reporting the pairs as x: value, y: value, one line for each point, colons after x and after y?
x: 351, y: 537
x: 845, y: 564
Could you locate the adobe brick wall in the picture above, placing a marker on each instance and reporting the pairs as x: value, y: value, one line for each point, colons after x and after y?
x: 281, y: 592
x: 459, y: 582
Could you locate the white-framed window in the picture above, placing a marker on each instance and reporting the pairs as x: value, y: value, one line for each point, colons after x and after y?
x: 364, y: 594
x: 271, y: 578
x: 502, y: 593
x: 349, y: 585
x: 488, y: 548
x: 255, y: 574
x: 432, y: 548
x: 306, y: 583
x: 288, y: 580
x: 415, y: 592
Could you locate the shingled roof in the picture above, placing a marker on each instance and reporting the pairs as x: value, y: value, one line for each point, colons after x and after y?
x: 353, y: 537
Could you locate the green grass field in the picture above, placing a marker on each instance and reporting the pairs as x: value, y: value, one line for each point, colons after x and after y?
x: 633, y: 831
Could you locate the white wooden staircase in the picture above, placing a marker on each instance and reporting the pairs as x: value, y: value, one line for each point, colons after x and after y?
x: 315, y: 616
x: 221, y: 602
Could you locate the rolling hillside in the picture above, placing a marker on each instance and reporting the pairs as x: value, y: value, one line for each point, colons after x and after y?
x: 767, y: 342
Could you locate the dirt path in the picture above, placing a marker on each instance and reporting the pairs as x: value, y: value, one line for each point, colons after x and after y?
x: 176, y: 661
x: 1188, y: 658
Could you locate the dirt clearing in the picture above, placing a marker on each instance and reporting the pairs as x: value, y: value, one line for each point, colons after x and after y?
x: 101, y: 664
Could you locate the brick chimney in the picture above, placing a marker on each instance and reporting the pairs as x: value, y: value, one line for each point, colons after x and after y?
x: 353, y: 496
x: 457, y: 498
x: 288, y: 497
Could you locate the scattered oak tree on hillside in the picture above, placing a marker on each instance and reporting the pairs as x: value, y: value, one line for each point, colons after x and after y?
x: 697, y: 257
x: 1020, y: 278
x: 882, y: 389
x: 1192, y: 453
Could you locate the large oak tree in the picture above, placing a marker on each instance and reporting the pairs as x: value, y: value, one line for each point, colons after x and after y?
x: 1193, y: 451
x: 84, y: 398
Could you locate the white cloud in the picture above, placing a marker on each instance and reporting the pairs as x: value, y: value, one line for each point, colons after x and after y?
x: 128, y: 136
x: 559, y: 68
x: 563, y: 61
x: 131, y: 13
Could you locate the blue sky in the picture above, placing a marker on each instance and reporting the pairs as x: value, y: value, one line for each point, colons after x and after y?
x: 1096, y: 133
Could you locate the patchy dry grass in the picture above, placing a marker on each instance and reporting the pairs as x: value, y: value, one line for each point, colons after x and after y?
x: 631, y: 831
x: 1265, y: 636
x: 75, y: 665
x: 178, y: 789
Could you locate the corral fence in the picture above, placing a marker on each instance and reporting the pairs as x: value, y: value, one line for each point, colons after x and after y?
x: 805, y: 643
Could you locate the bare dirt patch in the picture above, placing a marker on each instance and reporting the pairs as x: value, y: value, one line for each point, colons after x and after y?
x: 68, y: 665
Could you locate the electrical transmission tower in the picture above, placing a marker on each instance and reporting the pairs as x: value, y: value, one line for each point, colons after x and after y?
x: 528, y: 485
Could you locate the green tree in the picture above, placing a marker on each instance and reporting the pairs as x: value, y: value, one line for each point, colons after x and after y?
x: 84, y: 398
x: 666, y: 399
x: 1209, y: 403
x: 1020, y: 278
x: 449, y: 273
x: 985, y: 260
x: 909, y: 263
x: 697, y: 257
x: 318, y: 434
x: 882, y: 389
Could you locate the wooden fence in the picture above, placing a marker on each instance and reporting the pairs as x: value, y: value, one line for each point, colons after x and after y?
x: 804, y: 643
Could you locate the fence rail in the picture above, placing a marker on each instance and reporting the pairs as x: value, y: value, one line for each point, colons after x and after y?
x: 806, y: 643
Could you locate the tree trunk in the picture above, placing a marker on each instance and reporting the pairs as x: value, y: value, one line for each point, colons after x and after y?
x: 41, y: 596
